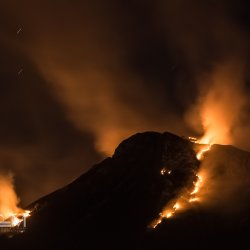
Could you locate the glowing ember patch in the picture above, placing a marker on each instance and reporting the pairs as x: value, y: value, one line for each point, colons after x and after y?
x: 177, y: 206
x: 156, y: 223
x: 192, y: 139
x: 194, y: 199
x: 165, y: 214
x: 169, y: 215
x: 163, y: 171
x: 26, y: 213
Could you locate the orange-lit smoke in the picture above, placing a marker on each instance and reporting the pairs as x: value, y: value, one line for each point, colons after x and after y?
x: 220, y: 108
x: 222, y: 103
x: 87, y: 67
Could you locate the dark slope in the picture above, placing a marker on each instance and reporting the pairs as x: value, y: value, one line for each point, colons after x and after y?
x: 111, y: 206
x: 223, y: 222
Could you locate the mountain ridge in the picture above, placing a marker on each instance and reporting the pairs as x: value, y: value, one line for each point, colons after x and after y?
x: 114, y: 202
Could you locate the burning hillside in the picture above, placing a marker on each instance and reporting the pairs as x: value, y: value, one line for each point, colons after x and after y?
x: 189, y: 195
x: 118, y: 201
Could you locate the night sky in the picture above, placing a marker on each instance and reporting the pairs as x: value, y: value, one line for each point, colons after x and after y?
x: 77, y: 77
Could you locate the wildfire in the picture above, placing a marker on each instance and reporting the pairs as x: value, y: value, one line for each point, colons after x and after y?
x: 184, y: 201
x: 197, y: 185
x: 167, y: 213
x: 181, y: 203
x: 17, y: 219
x: 193, y: 199
x: 9, y: 211
x: 217, y: 120
x: 201, y: 153
x: 205, y: 143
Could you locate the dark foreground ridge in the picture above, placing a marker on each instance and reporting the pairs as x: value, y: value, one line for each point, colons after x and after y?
x: 111, y: 206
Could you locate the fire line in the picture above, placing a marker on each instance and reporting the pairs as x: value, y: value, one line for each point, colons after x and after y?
x: 183, y: 201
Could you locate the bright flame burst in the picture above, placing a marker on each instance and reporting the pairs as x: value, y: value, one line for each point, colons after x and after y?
x: 16, y: 219
x: 205, y: 144
x: 9, y: 211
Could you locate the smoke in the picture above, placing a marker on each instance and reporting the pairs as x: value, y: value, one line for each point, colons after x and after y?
x: 222, y: 103
x: 215, y: 48
x: 103, y: 70
x: 94, y: 72
x: 209, y: 39
x: 86, y: 61
x: 225, y: 171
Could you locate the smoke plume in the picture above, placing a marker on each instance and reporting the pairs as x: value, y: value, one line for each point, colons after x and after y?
x: 95, y: 72
x: 215, y: 48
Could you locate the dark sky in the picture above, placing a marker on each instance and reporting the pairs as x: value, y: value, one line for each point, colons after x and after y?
x: 77, y: 77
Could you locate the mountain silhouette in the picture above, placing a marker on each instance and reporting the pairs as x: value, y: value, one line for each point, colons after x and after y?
x: 112, y: 205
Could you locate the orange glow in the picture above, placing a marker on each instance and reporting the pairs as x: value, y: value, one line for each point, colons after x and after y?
x: 9, y: 209
x: 215, y: 125
x: 194, y: 199
x: 196, y: 191
x: 164, y: 171
x: 218, y: 114
x: 155, y: 223
x: 181, y: 204
x: 15, y: 221
x: 177, y: 206
x: 218, y: 117
x: 167, y: 213
x: 197, y: 185
x: 204, y: 149
x: 205, y: 144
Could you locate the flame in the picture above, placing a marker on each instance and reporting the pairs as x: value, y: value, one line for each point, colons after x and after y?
x: 194, y: 199
x: 167, y: 213
x: 182, y: 203
x: 9, y: 209
x: 197, y: 185
x: 185, y: 199
x: 196, y: 191
x: 164, y: 171
x: 176, y: 206
x: 201, y: 152
x: 206, y: 144
x: 217, y: 122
